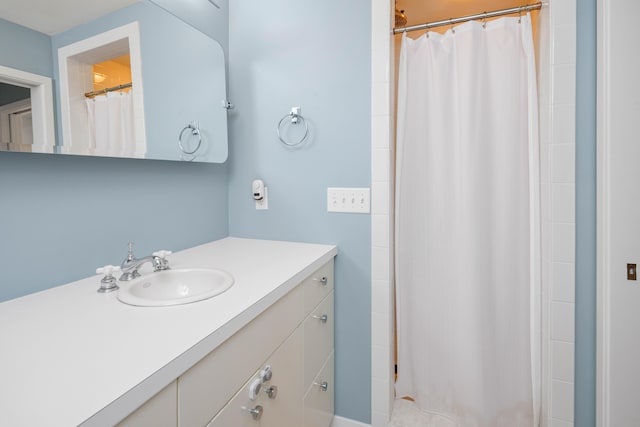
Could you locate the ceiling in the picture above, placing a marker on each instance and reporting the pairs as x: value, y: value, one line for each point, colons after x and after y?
x: 54, y: 16
x: 421, y: 11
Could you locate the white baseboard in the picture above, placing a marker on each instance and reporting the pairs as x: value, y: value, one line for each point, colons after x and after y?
x: 346, y: 422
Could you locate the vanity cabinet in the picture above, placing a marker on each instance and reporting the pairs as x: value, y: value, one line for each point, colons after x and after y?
x: 159, y: 411
x: 294, y: 340
x: 188, y: 365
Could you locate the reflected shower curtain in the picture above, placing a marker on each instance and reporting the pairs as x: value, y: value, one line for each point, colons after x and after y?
x: 467, y: 234
x: 111, y: 130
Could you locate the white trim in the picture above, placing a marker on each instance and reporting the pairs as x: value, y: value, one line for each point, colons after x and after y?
x: 382, y: 306
x: 603, y: 215
x: 67, y: 64
x: 346, y: 422
x: 41, y: 104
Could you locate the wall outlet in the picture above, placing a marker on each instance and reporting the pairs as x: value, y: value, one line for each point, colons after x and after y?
x: 351, y: 200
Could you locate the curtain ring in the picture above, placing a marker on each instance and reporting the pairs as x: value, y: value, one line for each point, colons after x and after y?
x: 453, y: 29
x: 520, y: 14
x: 484, y: 20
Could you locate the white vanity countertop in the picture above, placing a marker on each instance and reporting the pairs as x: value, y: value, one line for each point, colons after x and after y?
x: 71, y: 356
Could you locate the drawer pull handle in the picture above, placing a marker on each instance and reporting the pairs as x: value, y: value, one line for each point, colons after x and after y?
x: 272, y: 392
x: 256, y: 412
x: 322, y: 318
x: 323, y: 280
x: 324, y: 386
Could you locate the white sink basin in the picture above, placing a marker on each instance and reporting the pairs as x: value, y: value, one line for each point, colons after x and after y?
x: 174, y: 287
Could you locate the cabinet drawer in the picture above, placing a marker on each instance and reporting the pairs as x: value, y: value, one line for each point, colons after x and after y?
x: 315, y: 288
x: 318, y: 403
x: 318, y: 338
x: 205, y: 388
x: 159, y: 411
x: 286, y: 408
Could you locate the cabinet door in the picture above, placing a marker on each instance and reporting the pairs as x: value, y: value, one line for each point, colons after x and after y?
x: 282, y: 411
x: 211, y: 383
x: 317, y: 286
x: 159, y: 411
x: 318, y: 402
x: 318, y: 338
x: 286, y: 364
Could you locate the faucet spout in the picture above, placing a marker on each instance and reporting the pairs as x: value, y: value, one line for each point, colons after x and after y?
x: 131, y: 264
x: 130, y: 267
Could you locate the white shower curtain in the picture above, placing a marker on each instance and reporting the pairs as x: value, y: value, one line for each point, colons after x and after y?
x: 111, y: 124
x: 467, y: 234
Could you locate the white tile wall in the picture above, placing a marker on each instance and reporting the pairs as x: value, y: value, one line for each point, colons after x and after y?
x: 557, y: 120
x: 562, y: 322
x: 558, y: 152
x: 562, y: 400
x: 562, y: 356
x: 563, y: 203
x: 561, y: 423
x: 563, y: 241
x: 381, y: 225
x: 563, y: 277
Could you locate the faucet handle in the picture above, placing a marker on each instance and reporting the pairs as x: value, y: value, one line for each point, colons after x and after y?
x: 163, y: 263
x: 108, y: 270
x: 130, y: 253
x: 162, y: 254
x: 108, y: 282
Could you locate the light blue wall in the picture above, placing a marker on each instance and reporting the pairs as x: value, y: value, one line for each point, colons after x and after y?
x: 63, y: 216
x: 25, y: 49
x: 316, y: 55
x: 585, y: 346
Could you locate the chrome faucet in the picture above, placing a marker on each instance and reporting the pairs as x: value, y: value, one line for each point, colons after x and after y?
x: 131, y: 264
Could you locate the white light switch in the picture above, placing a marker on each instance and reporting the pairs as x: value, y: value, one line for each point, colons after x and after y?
x: 352, y: 200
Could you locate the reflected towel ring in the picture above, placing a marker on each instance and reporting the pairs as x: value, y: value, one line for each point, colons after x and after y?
x: 295, y: 117
x: 195, y: 130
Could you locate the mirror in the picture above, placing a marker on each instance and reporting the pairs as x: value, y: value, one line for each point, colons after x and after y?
x: 171, y: 105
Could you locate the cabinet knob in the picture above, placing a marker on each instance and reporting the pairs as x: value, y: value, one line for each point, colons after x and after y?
x: 272, y: 392
x: 323, y: 280
x: 322, y: 318
x: 324, y: 386
x: 256, y: 412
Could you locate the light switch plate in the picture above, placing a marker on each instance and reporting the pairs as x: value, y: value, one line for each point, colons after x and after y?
x: 350, y: 200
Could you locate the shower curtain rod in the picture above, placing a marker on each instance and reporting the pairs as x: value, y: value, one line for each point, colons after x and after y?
x: 484, y: 15
x: 109, y: 89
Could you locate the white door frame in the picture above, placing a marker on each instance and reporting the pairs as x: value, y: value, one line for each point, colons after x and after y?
x: 75, y: 63
x: 603, y: 215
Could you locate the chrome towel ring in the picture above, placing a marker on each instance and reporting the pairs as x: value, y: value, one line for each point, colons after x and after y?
x: 195, y: 130
x: 295, y: 117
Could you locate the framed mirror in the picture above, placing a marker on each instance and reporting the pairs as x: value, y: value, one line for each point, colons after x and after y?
x: 131, y: 81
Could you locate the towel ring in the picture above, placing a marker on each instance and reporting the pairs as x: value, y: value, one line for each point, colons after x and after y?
x: 195, y: 130
x: 295, y: 117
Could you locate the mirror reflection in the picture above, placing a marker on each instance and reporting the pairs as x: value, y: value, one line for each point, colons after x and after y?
x: 137, y: 82
x: 16, y: 130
